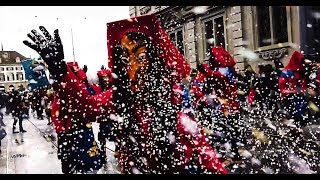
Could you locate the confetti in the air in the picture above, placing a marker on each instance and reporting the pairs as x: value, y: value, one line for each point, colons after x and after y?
x: 314, y: 107
x: 259, y: 135
x: 176, y: 107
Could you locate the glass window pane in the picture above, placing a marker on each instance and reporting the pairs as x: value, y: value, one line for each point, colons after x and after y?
x: 20, y: 77
x: 314, y: 40
x: 219, y: 32
x: 280, y: 27
x: 316, y: 20
x: 2, y: 77
x: 208, y: 34
x: 173, y: 37
x: 180, y: 41
x: 264, y: 33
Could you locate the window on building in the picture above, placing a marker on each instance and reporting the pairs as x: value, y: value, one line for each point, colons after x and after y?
x: 312, y: 32
x: 214, y: 33
x: 272, y: 25
x: 315, y: 21
x: 10, y: 77
x: 2, y: 78
x: 10, y: 68
x: 16, y: 68
x: 20, y: 77
x: 157, y: 8
x: 1, y: 69
x: 177, y: 38
x: 145, y: 9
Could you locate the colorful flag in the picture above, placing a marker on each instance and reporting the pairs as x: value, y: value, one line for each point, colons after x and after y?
x: 35, y: 74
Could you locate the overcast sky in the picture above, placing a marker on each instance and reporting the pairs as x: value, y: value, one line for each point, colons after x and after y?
x: 88, y: 24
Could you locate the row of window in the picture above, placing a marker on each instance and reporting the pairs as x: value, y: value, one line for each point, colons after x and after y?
x: 11, y: 77
x: 11, y: 68
x: 272, y: 28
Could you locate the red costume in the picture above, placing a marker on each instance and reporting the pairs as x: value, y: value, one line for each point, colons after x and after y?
x: 190, y: 139
x: 290, y: 79
x: 61, y: 117
x: 226, y: 88
x: 293, y: 85
x: 197, y: 88
x: 78, y: 150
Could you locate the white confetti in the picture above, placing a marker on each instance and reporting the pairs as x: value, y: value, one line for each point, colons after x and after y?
x: 135, y: 171
x: 268, y: 170
x: 269, y: 123
x: 189, y: 125
x: 171, y: 138
x: 255, y: 161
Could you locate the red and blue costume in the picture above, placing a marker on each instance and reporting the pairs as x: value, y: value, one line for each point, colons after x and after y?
x: 78, y: 150
x: 293, y: 86
x: 190, y: 145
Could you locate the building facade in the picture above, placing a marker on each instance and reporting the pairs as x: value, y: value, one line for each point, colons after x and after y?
x: 271, y: 32
x: 11, y: 71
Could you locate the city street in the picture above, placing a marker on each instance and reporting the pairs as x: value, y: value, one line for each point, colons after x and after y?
x: 273, y: 153
x: 37, y: 154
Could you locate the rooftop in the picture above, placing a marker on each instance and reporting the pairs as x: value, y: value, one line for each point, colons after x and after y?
x: 11, y: 57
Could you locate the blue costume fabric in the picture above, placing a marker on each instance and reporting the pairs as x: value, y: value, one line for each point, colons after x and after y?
x: 185, y: 97
x: 84, y: 148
